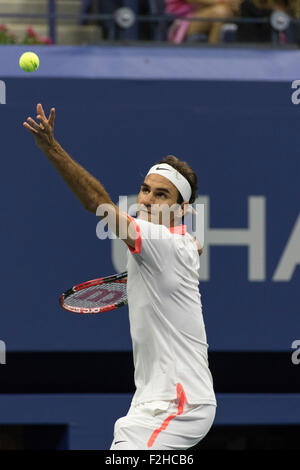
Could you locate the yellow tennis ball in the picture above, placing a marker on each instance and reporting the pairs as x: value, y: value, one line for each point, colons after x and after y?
x: 29, y: 62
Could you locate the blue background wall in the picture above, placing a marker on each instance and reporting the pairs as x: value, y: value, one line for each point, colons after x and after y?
x: 235, y: 125
x: 240, y: 137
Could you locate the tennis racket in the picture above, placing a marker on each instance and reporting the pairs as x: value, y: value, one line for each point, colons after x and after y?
x: 96, y: 296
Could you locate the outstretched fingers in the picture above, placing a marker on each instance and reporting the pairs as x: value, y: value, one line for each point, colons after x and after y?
x: 51, y: 117
x: 31, y: 129
x: 40, y: 110
x: 43, y: 122
x: 34, y: 124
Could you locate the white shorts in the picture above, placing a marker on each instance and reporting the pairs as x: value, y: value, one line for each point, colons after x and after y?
x: 162, y: 425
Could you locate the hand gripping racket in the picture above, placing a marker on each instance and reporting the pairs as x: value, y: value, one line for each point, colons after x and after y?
x: 96, y: 296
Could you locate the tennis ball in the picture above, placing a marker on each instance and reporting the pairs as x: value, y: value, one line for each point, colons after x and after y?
x: 29, y: 62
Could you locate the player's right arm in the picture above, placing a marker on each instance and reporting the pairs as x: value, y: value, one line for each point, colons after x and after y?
x: 88, y: 189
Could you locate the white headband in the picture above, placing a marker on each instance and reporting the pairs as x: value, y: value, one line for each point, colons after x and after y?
x: 175, y: 177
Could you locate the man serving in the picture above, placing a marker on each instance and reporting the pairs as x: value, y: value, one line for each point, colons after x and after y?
x: 174, y: 403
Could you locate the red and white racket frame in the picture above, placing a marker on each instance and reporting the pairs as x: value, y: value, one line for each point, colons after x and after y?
x: 115, y: 278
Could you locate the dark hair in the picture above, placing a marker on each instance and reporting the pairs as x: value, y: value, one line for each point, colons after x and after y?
x: 186, y: 171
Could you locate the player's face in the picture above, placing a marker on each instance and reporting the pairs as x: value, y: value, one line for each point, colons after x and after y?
x: 157, y: 195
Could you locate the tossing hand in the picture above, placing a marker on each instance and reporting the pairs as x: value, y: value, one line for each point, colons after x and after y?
x: 44, y: 131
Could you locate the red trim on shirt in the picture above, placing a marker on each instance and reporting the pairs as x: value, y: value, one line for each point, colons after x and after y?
x: 179, y: 229
x: 182, y: 399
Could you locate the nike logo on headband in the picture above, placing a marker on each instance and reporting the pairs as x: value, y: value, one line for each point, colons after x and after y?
x: 167, y: 169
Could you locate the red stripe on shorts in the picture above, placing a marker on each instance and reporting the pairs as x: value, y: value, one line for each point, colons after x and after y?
x: 182, y: 399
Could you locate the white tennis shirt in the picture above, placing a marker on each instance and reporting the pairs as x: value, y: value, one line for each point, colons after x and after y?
x: 165, y: 314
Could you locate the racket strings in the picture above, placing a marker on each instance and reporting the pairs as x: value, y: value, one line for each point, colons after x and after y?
x: 99, y: 295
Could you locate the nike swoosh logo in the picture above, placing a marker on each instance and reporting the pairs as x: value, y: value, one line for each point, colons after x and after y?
x: 166, y: 169
x: 118, y: 442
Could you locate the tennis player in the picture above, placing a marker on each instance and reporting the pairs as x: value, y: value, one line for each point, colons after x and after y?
x: 174, y: 404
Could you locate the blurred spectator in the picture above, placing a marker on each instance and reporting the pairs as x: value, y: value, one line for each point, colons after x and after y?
x: 262, y: 32
x: 109, y: 28
x: 182, y: 29
x: 295, y: 9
